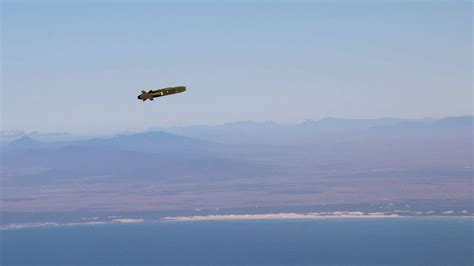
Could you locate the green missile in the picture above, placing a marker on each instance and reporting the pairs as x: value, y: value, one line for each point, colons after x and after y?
x: 152, y: 94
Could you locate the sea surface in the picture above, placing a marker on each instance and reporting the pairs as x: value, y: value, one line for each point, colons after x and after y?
x: 270, y: 242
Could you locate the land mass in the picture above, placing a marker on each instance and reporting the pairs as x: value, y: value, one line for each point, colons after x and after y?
x: 332, y: 165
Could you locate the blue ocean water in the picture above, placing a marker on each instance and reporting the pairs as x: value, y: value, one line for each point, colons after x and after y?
x: 291, y: 242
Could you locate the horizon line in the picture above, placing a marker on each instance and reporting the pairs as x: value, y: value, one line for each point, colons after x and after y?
x: 57, y: 133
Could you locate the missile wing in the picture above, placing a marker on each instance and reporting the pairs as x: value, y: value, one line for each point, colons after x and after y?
x: 152, y: 94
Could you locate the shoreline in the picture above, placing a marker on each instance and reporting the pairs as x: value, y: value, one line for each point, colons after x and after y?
x: 241, y: 217
x: 307, y: 216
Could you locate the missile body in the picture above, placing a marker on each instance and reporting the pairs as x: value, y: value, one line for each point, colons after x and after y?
x: 152, y: 94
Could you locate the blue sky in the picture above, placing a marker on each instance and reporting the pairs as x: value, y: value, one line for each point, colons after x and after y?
x: 77, y: 67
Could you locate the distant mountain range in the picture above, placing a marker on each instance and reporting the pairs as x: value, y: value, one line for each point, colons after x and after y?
x: 131, y: 157
x: 327, y: 129
x: 251, y: 132
x: 248, y: 163
x: 153, y: 142
x: 211, y: 139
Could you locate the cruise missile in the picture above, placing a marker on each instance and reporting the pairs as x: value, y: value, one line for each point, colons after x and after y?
x: 152, y: 94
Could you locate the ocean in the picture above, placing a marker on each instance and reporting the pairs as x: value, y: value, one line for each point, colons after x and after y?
x: 256, y: 242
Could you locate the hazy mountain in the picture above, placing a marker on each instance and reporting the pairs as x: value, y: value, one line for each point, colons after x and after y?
x: 153, y: 142
x: 242, y: 132
x: 11, y: 135
x: 339, y: 124
x: 322, y: 131
x: 459, y: 122
x: 24, y: 143
x: 123, y: 158
x: 245, y: 164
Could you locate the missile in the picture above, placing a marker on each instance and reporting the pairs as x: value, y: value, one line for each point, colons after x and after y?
x: 152, y: 94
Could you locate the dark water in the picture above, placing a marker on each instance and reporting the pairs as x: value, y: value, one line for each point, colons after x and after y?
x: 290, y: 242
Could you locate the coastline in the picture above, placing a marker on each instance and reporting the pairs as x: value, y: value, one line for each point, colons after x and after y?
x: 243, y: 217
x: 307, y: 216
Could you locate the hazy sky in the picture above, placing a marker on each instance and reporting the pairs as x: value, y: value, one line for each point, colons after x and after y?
x: 78, y: 67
